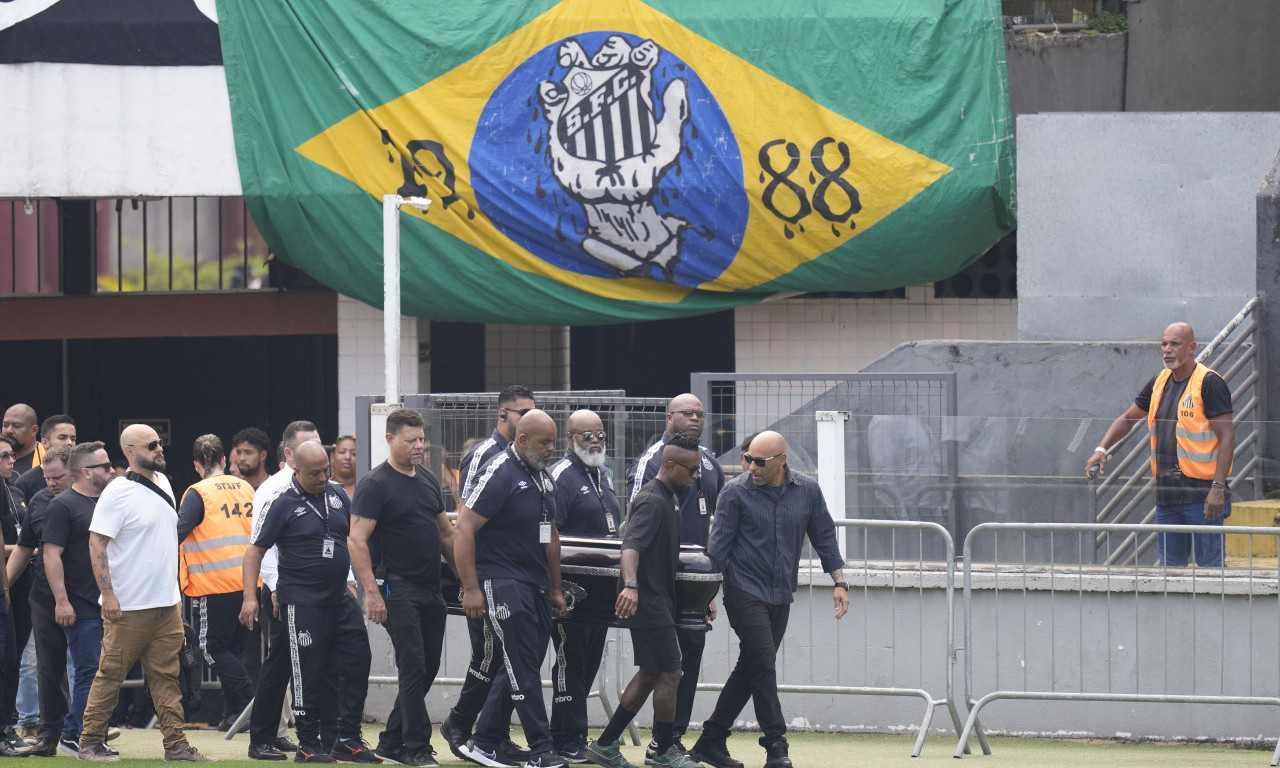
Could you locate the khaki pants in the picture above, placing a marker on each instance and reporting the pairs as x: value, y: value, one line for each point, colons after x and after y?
x: 153, y: 635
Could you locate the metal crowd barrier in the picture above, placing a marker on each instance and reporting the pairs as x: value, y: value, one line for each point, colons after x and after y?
x: 1101, y: 632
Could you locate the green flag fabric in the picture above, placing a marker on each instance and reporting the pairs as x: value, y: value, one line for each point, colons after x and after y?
x: 598, y: 161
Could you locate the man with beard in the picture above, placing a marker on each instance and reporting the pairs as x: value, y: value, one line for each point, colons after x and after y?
x: 647, y: 602
x: 585, y: 506
x: 133, y: 547
x: 249, y: 450
x: 64, y: 548
x: 21, y: 427
x: 399, y: 530
x: 513, y: 402
x: 685, y: 416
x: 507, y: 553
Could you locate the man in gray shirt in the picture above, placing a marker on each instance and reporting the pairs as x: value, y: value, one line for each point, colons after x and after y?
x: 761, y: 523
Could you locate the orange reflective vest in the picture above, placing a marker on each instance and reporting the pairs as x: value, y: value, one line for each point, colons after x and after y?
x: 1197, y: 442
x: 210, y: 558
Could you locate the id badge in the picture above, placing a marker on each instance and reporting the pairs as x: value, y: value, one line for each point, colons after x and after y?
x: 544, y: 533
x: 608, y: 520
x: 702, y: 506
x: 327, y: 549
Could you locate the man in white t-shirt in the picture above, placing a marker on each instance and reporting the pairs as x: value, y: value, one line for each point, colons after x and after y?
x: 133, y: 547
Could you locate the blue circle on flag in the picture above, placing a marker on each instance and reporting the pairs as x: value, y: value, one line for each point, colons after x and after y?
x: 576, y: 159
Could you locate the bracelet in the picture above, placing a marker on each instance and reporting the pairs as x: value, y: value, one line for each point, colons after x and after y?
x: 629, y: 585
x: 841, y: 585
x: 1216, y: 484
x: 1101, y: 450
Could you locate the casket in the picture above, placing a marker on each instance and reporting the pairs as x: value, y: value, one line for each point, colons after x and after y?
x: 589, y: 573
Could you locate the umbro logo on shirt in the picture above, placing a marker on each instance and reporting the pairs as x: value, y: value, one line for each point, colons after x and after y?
x: 585, y: 489
x: 300, y: 511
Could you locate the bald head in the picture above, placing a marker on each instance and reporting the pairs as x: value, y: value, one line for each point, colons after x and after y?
x: 1178, y: 349
x: 311, y: 464
x: 142, y: 449
x: 583, y: 421
x: 21, y: 428
x: 767, y: 458
x: 536, y: 438
x: 685, y: 416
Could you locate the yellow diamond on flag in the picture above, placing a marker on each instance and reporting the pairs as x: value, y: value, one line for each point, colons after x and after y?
x: 609, y: 169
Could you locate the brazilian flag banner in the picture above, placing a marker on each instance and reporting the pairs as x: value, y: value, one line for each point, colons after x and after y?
x: 599, y: 161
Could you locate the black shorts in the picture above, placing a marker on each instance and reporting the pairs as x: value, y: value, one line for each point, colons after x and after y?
x: 655, y: 649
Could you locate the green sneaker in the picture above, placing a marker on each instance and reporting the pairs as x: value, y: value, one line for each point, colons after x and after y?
x: 607, y: 755
x: 674, y: 758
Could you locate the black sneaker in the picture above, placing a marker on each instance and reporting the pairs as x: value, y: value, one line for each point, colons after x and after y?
x: 573, y: 754
x: 392, y: 753
x: 353, y: 751
x: 424, y: 757
x: 714, y: 754
x: 265, y: 752
x: 513, y: 751
x: 69, y: 746
x: 474, y: 753
x: 777, y: 754
x: 548, y: 759
x: 454, y: 737
x: 312, y: 752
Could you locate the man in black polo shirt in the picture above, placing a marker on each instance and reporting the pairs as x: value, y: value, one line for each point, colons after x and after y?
x: 309, y: 523
x: 585, y: 506
x: 508, y: 559
x: 647, y: 602
x: 399, y: 529
x: 513, y: 402
x: 685, y: 416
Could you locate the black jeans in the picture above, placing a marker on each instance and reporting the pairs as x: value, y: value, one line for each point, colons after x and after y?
x: 51, y: 671
x: 415, y: 623
x: 760, y: 627
x: 579, y: 649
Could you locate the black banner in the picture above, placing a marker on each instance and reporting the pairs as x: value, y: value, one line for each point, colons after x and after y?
x: 128, y: 32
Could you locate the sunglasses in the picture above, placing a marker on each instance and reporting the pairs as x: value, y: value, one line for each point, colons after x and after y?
x: 693, y: 470
x: 689, y: 413
x: 103, y: 465
x: 151, y: 446
x: 589, y: 436
x: 521, y: 411
x: 757, y: 460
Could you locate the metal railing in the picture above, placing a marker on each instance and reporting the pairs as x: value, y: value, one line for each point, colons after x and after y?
x: 1124, y: 494
x: 1111, y: 633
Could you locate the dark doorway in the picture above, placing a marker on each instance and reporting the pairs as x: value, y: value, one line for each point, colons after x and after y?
x: 651, y: 359
x: 198, y: 385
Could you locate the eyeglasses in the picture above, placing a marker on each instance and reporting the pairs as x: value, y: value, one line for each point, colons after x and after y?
x: 757, y: 460
x: 6, y: 456
x: 689, y: 413
x: 696, y: 469
x: 521, y: 411
x: 103, y: 465
x: 151, y: 446
x: 589, y: 436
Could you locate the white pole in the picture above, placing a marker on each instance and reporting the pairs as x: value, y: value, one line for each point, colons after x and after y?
x: 831, y: 472
x: 391, y: 296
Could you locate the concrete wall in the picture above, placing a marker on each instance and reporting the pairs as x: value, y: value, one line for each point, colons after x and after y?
x: 1210, y: 55
x: 1065, y: 73
x: 898, y: 638
x: 1130, y: 221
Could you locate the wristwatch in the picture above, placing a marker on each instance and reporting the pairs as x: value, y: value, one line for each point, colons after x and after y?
x: 842, y: 585
x: 630, y: 585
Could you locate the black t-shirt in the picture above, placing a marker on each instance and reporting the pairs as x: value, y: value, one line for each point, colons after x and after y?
x: 407, y: 510
x: 653, y: 531
x: 697, y: 505
x: 66, y: 523
x: 31, y: 482
x: 1178, y: 488
x: 514, y: 500
x: 15, y: 511
x: 298, y: 526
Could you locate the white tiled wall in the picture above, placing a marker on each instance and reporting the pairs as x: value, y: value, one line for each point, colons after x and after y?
x: 360, y: 358
x: 845, y: 335
x: 536, y: 356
